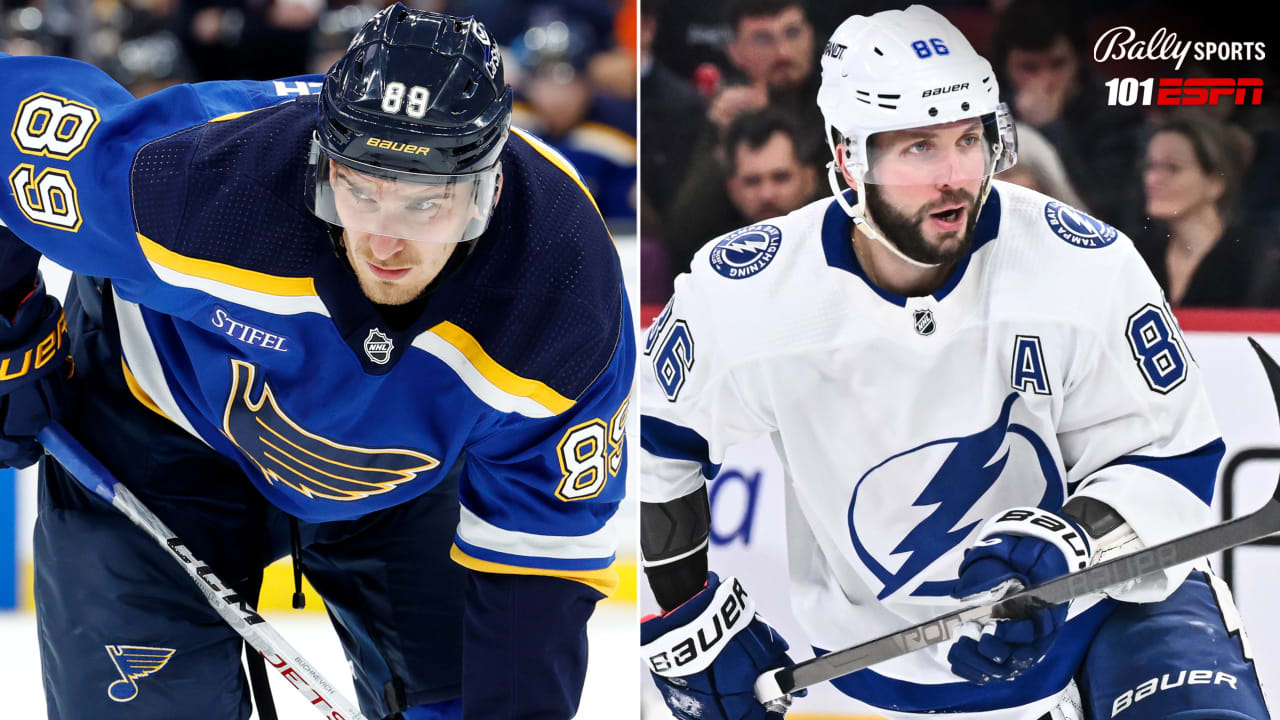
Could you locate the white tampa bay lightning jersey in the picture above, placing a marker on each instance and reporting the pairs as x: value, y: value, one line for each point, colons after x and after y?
x: 1047, y: 366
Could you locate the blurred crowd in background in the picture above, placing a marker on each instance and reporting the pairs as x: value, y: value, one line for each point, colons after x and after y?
x: 571, y: 62
x: 731, y: 133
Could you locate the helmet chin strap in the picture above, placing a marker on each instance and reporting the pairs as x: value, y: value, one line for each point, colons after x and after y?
x: 861, y: 219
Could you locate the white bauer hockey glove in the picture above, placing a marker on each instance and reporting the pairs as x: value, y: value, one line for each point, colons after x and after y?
x: 1017, y: 549
x: 706, y: 654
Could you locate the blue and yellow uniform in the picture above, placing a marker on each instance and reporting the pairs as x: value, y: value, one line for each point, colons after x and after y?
x: 209, y: 295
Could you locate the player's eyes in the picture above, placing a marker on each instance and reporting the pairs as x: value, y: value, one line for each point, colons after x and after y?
x: 922, y: 146
x: 969, y: 140
x: 427, y: 208
x: 356, y: 192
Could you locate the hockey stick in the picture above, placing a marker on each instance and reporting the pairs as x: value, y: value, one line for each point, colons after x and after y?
x: 774, y: 685
x: 237, y: 611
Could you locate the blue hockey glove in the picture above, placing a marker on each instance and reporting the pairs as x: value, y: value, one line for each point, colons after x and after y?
x: 1020, y: 548
x: 33, y: 375
x: 706, y: 654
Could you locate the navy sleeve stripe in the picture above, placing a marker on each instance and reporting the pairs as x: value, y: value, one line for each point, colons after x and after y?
x: 675, y: 442
x: 1197, y: 470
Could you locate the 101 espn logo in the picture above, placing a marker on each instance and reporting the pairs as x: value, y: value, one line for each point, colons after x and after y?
x: 1121, y: 43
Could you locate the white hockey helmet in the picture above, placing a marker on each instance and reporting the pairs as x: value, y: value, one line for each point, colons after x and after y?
x: 901, y: 69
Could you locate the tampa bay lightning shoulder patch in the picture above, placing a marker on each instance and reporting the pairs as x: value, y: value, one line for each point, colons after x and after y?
x: 1078, y: 228
x: 743, y: 253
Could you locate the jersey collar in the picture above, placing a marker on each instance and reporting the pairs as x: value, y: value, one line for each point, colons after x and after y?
x: 837, y: 229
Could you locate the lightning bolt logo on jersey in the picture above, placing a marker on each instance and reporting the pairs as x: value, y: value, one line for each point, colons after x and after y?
x: 310, y: 464
x: 949, y: 506
x: 134, y: 662
x: 745, y: 252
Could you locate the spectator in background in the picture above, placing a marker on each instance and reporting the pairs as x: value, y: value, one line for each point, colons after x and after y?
x: 1040, y: 52
x: 669, y: 125
x: 1040, y: 169
x: 764, y: 175
x: 1196, y: 247
x: 767, y: 176
x: 772, y: 55
x: 613, y: 71
x: 773, y: 66
x: 1260, y: 194
x: 556, y: 101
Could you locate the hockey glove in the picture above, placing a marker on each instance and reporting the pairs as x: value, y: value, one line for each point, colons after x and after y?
x: 1020, y: 548
x: 706, y: 654
x: 33, y: 375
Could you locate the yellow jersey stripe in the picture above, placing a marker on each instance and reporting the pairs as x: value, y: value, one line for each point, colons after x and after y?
x: 231, y: 116
x: 138, y: 393
x: 605, y: 580
x: 501, y: 377
x: 226, y: 274
x: 556, y: 159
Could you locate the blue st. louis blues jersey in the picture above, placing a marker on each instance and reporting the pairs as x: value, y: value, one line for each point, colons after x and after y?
x: 239, y: 323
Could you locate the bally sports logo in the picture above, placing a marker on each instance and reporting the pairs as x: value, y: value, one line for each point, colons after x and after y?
x: 745, y: 252
x: 1122, y: 43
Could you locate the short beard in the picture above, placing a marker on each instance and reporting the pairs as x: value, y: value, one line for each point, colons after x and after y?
x: 907, y: 234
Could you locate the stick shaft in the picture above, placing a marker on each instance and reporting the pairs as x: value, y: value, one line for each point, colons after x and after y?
x: 235, y: 610
x: 1208, y: 541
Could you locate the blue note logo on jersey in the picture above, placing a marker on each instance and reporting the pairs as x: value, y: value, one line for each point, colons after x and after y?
x: 952, y: 485
x: 747, y: 251
x: 314, y: 466
x: 1078, y: 228
x: 134, y: 662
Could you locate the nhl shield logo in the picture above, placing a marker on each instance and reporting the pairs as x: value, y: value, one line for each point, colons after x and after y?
x: 378, y: 347
x: 924, y: 322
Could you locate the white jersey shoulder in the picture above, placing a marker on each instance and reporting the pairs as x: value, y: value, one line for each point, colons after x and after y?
x: 755, y: 282
x: 1057, y: 258
x: 788, y: 283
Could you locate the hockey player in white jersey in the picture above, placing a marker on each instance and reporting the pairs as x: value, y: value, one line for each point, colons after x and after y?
x: 972, y: 387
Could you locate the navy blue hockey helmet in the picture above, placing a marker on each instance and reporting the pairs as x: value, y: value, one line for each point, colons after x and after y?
x: 411, y: 123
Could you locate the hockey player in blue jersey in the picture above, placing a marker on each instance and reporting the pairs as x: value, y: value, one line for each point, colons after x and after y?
x: 972, y: 388
x: 359, y: 317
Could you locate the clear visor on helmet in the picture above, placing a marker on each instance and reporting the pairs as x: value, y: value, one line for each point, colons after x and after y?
x: 411, y: 206
x: 953, y: 152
